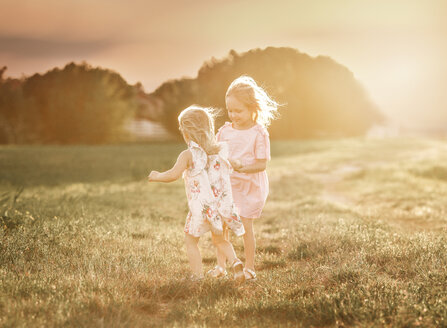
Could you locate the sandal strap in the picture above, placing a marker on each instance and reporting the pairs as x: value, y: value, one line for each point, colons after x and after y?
x: 251, y: 273
x: 236, y: 262
x: 221, y: 272
x: 238, y: 269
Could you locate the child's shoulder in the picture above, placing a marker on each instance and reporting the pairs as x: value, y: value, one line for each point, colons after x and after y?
x: 225, y: 126
x: 185, y: 153
x: 260, y: 129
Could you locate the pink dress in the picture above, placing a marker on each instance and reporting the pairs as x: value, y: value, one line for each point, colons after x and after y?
x: 250, y: 190
x: 208, y: 190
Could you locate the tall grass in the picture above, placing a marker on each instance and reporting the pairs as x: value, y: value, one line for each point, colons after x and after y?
x: 353, y: 234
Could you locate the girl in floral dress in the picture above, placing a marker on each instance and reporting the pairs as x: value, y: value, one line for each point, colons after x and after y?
x: 206, y: 171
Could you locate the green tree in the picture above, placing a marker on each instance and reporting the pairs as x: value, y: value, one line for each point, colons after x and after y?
x: 320, y: 97
x: 76, y: 104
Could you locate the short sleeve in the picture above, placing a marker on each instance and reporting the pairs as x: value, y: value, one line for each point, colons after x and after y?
x: 262, y: 144
x: 218, y: 135
x: 220, y: 131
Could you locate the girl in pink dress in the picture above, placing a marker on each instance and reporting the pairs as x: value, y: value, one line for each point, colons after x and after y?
x: 206, y: 171
x: 250, y: 110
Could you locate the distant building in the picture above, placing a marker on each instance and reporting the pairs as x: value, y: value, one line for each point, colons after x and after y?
x: 386, y: 130
x: 145, y: 130
x: 146, y: 126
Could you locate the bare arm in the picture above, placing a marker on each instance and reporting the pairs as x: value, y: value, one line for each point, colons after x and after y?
x: 183, y: 161
x: 258, y: 166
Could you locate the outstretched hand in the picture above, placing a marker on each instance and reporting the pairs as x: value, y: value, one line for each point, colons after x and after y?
x: 153, y: 176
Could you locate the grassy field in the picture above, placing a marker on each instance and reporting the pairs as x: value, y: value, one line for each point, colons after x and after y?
x: 354, y: 233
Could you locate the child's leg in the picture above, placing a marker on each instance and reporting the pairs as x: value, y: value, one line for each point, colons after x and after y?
x: 224, y: 248
x: 227, y: 249
x: 249, y: 243
x: 192, y: 249
x: 221, y: 258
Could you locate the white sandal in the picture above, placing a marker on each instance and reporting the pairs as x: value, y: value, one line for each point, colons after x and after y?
x: 238, y: 270
x: 192, y: 278
x: 249, y: 274
x: 217, y: 272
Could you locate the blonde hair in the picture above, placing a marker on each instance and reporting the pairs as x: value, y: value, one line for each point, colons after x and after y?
x: 247, y: 91
x: 198, y: 123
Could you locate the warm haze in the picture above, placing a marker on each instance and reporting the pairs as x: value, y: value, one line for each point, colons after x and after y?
x: 396, y: 49
x: 354, y: 229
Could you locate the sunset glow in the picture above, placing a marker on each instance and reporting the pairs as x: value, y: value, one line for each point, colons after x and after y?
x: 394, y: 48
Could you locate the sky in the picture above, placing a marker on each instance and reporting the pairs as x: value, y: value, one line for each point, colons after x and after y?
x: 397, y: 49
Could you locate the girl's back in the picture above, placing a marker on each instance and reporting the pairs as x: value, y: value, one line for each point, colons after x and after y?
x: 208, y: 190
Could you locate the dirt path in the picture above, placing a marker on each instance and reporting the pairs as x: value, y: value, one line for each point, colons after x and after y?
x: 330, y: 181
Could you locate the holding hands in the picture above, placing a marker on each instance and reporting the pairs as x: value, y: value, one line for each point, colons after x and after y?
x: 258, y: 165
x: 236, y: 164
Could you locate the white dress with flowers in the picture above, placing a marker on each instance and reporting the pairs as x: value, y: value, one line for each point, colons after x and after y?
x: 208, y: 189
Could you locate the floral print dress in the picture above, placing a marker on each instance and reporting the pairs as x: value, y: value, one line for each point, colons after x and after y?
x: 208, y: 190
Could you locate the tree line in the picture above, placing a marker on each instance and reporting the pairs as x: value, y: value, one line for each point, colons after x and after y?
x: 319, y: 97
x: 84, y: 104
x: 76, y: 104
